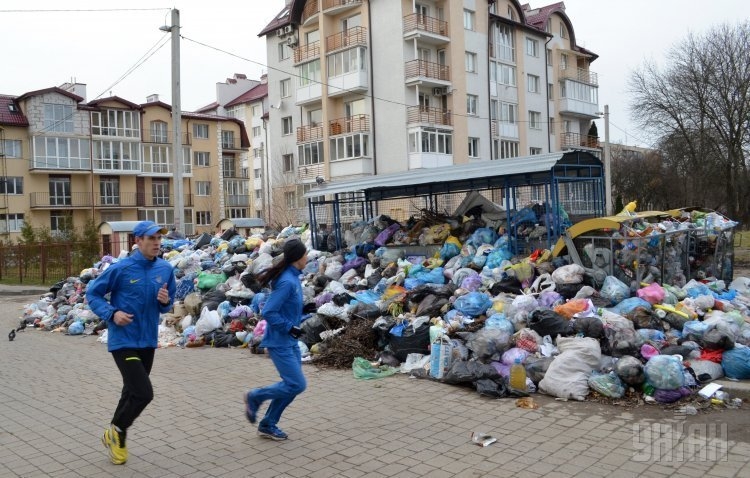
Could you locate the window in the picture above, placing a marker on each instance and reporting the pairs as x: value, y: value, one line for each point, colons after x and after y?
x: 533, y: 83
x: 563, y: 31
x: 505, y: 43
x: 473, y: 147
x: 59, y: 191
x: 549, y: 57
x: 535, y: 151
x: 116, y: 123
x: 348, y: 147
x: 508, y: 149
x: 471, y: 104
x: 548, y: 26
x: 120, y: 155
x: 431, y: 140
x: 159, y: 192
x: 309, y: 73
x: 159, y: 133
x: 532, y: 47
x: 227, y: 164
x: 535, y: 120
x: 258, y: 194
x: 310, y: 153
x: 255, y: 111
x: 550, y: 91
x: 10, y: 148
x: 257, y: 153
x: 286, y: 125
x: 347, y: 61
x: 203, y: 218
x: 511, y: 13
x: 201, y: 158
x: 579, y: 91
x: 200, y: 131
x: 290, y: 200
x: 58, y: 118
x: 285, y: 88
x: 493, y: 109
x: 468, y: 20
x: 203, y: 188
x: 109, y: 191
x: 552, y: 126
x: 284, y: 51
x: 288, y: 162
x: 508, y: 113
x: 471, y: 62
x: 11, y: 185
x: 227, y: 140
x: 563, y: 61
x: 156, y: 159
x: 256, y: 173
x: 506, y: 74
x: 256, y: 131
x: 62, y: 153
x: 60, y: 221
x: 10, y: 223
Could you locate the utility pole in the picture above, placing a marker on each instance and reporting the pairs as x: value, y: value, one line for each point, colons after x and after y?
x: 607, y: 165
x: 179, y: 197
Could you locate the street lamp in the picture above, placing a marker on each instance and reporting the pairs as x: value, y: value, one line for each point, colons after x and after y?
x: 179, y: 202
x: 607, y: 163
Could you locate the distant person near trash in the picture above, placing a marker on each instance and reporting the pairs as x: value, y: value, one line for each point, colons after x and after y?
x: 283, y: 314
x: 141, y: 287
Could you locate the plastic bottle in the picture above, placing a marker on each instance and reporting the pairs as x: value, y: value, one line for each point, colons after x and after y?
x: 518, y: 375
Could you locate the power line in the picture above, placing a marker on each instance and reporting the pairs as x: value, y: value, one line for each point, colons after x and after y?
x: 72, y: 10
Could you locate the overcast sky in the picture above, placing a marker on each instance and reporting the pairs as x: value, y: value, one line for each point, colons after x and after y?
x: 44, y: 49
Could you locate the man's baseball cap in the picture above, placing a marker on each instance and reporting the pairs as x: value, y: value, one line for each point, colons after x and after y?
x: 148, y: 228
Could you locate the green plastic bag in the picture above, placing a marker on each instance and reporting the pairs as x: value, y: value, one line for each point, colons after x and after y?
x: 209, y: 280
x: 364, y: 370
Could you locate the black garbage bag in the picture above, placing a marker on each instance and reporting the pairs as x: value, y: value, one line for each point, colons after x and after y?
x: 431, y: 306
x: 203, y: 240
x: 212, y: 299
x: 229, y: 233
x: 365, y: 311
x: 219, y: 338
x: 311, y: 329
x: 509, y: 286
x: 492, y: 388
x: 469, y: 372
x: 589, y: 327
x: 536, y: 367
x: 568, y: 291
x: 676, y: 321
x: 642, y: 318
x: 548, y: 322
x: 342, y: 299
x: 411, y: 342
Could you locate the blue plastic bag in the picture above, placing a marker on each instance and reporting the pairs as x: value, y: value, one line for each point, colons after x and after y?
x: 736, y: 362
x: 473, y: 304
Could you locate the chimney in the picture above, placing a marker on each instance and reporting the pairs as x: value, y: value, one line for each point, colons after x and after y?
x: 153, y: 98
x: 75, y: 88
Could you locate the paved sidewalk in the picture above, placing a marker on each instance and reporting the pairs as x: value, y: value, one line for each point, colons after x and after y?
x: 58, y: 393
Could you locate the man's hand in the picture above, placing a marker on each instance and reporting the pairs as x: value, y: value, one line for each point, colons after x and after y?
x: 122, y: 318
x: 295, y: 332
x: 163, y: 295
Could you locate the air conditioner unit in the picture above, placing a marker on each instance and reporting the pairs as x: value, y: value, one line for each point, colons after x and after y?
x: 291, y: 41
x: 288, y: 29
x: 440, y: 91
x: 280, y: 32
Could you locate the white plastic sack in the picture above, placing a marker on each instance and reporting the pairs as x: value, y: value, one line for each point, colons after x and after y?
x: 332, y: 310
x: 333, y: 270
x: 414, y: 362
x: 569, y: 274
x: 715, y: 370
x: 208, y: 321
x: 567, y: 375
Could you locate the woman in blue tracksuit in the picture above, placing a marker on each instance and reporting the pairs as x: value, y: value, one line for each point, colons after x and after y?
x: 140, y: 287
x: 283, y: 314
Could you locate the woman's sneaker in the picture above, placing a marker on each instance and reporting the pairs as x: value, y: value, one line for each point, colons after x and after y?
x: 272, y: 433
x: 114, y: 441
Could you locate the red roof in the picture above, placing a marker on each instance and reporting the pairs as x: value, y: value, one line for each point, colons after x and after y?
x: 281, y: 19
x: 256, y: 93
x: 10, y: 113
x: 208, y: 107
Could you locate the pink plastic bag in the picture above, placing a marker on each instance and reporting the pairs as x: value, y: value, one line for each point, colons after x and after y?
x: 652, y: 293
x: 648, y: 351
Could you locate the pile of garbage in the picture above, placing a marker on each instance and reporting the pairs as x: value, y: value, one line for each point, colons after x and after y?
x: 463, y: 315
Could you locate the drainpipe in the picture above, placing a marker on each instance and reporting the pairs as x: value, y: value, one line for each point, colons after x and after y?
x: 546, y: 89
x: 372, y: 95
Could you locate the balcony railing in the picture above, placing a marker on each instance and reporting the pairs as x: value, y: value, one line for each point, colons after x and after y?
x: 352, y: 124
x: 421, y: 114
x: 233, y: 200
x: 84, y: 200
x: 230, y: 144
x: 579, y: 74
x: 310, y: 171
x: 310, y: 10
x: 306, y: 52
x: 339, y: 3
x: 356, y: 36
x: 164, y: 138
x: 416, y: 21
x: 427, y: 69
x: 576, y: 140
x: 309, y: 133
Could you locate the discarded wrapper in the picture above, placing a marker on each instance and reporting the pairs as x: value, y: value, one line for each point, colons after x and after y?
x: 527, y: 402
x: 482, y: 439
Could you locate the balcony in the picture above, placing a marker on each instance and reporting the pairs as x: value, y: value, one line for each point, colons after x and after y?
x: 356, y: 36
x: 310, y: 171
x: 83, y: 200
x: 504, y: 129
x: 306, y: 52
x: 433, y: 116
x: 237, y: 200
x: 352, y: 124
x: 307, y: 133
x: 310, y: 12
x: 427, y: 73
x: 580, y: 75
x: 164, y: 137
x: 231, y: 144
x: 425, y: 29
x: 577, y: 141
x: 335, y: 7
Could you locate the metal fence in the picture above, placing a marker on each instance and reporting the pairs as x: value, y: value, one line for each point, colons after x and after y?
x: 46, y: 263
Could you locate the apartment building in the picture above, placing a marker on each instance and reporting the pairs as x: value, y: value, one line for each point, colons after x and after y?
x: 368, y: 87
x: 65, y: 161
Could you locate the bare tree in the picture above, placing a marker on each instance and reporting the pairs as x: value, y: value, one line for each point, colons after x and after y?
x: 698, y: 107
